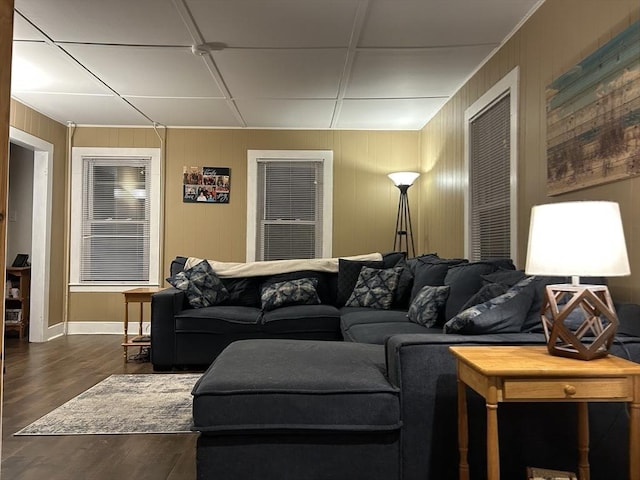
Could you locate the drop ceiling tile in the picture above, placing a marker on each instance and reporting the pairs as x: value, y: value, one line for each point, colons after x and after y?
x: 286, y: 113
x: 311, y: 73
x: 148, y: 71
x: 139, y: 22
x: 42, y: 67
x: 83, y: 109
x: 291, y: 23
x: 422, y: 23
x: 187, y: 112
x: 412, y: 73
x: 23, y: 30
x: 400, y: 114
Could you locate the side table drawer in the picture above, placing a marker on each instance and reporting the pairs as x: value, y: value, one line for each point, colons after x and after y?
x: 567, y: 389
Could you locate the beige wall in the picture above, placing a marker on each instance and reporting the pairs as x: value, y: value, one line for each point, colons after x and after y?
x: 365, y: 200
x: 559, y: 35
x: 36, y: 124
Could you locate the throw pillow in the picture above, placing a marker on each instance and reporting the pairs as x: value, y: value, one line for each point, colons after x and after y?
x: 201, y: 285
x: 425, y: 308
x: 503, y: 314
x: 508, y: 278
x: 465, y: 280
x: 290, y: 292
x: 348, y: 273
x: 486, y: 293
x: 374, y: 288
x: 405, y: 282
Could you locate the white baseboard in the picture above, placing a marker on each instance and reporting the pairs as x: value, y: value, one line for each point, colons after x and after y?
x: 105, y: 328
x: 55, y: 331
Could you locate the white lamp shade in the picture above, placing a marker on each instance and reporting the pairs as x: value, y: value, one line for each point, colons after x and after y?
x: 403, y: 178
x: 578, y: 239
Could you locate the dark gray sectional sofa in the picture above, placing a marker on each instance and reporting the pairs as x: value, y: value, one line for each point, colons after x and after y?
x: 362, y: 393
x: 187, y: 336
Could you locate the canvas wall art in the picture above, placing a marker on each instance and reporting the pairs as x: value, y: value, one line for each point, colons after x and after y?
x: 206, y: 184
x: 593, y: 117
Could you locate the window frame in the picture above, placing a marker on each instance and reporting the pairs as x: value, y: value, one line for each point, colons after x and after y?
x: 77, y: 163
x: 508, y: 85
x: 253, y: 157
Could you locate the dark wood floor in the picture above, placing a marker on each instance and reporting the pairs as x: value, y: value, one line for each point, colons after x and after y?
x: 42, y: 376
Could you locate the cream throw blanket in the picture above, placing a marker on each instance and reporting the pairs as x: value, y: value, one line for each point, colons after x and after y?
x: 273, y: 267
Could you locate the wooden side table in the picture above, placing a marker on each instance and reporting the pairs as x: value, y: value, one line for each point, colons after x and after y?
x: 530, y: 374
x: 137, y: 295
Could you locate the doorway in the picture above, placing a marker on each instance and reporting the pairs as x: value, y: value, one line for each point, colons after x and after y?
x: 40, y: 230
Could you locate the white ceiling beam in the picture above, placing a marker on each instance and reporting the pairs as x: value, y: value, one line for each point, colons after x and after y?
x: 196, y: 36
x: 356, y: 31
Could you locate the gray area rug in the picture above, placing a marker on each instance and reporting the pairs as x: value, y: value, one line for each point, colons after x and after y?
x: 124, y: 404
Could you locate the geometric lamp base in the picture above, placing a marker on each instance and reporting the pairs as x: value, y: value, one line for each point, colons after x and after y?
x: 579, y: 321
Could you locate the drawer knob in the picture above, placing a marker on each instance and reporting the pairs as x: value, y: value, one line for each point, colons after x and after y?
x: 569, y: 390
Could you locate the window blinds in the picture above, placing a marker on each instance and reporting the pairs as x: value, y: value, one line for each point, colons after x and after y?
x: 289, y: 219
x: 115, y: 220
x: 490, y: 194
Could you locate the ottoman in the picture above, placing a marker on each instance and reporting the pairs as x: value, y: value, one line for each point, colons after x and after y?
x: 296, y: 409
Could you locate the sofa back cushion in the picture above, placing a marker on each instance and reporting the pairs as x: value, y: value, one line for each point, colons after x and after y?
x: 325, y: 283
x: 465, y: 280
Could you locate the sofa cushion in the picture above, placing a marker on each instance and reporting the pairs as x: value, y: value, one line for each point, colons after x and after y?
x: 465, y: 280
x: 218, y: 319
x: 258, y: 385
x: 430, y: 270
x: 503, y: 314
x: 302, y: 318
x: 375, y: 288
x: 378, y: 333
x: 301, y: 291
x: 425, y: 308
x: 201, y: 285
x: 325, y: 287
x: 486, y: 293
x: 243, y: 291
x: 348, y: 273
x: 350, y: 316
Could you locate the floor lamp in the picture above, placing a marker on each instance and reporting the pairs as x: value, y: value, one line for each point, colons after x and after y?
x: 403, y: 180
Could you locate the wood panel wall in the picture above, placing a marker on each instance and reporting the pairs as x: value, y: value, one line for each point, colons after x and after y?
x: 556, y: 37
x: 365, y: 200
x: 34, y: 123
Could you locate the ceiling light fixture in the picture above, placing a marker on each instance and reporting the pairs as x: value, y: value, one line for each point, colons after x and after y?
x: 205, y: 48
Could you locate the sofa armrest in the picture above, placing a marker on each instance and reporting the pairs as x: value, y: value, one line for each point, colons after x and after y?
x: 164, y: 306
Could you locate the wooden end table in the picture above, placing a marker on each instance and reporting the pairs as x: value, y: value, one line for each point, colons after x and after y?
x: 530, y: 374
x: 137, y: 295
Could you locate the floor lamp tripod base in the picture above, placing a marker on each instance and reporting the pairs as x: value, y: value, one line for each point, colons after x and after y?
x: 404, y: 232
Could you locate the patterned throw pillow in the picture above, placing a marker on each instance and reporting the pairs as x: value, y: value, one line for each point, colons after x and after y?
x: 201, y: 285
x: 348, y: 273
x: 425, y: 308
x: 503, y: 314
x: 291, y: 292
x: 375, y: 288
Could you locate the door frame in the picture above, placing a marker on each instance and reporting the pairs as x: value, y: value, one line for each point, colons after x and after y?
x: 40, y: 231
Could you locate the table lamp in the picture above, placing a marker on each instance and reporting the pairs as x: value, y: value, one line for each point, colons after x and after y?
x: 577, y: 239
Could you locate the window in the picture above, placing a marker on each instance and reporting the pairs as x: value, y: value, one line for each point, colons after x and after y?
x: 491, y: 196
x: 289, y: 204
x: 115, y: 218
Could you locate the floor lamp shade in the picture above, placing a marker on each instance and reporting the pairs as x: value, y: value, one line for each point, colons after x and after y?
x: 404, y: 231
x: 577, y: 239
